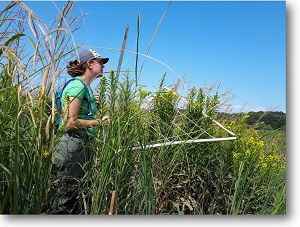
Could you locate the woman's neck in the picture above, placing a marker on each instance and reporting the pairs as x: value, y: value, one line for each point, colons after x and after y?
x: 87, y: 80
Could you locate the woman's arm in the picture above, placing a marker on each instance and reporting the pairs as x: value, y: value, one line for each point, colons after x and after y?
x: 71, y: 116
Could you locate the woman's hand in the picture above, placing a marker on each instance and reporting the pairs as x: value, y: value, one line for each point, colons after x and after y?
x: 71, y: 119
x: 105, y: 119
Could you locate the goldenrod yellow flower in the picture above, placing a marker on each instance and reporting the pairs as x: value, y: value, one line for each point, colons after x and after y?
x: 45, y: 154
x: 264, y: 165
x: 261, y: 143
x: 254, y: 133
x: 270, y: 157
x: 246, y: 117
x: 248, y: 152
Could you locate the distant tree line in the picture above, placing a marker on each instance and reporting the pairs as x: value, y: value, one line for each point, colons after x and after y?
x: 262, y: 120
x: 267, y: 120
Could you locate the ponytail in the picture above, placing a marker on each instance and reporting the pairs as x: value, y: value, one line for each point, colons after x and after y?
x: 75, y: 69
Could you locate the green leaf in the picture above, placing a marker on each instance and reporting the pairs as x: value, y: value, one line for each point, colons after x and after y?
x: 10, y: 40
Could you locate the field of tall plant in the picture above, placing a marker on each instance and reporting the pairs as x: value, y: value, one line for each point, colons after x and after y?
x: 155, y: 156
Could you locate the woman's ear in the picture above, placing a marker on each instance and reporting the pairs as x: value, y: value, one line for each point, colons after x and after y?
x: 89, y: 64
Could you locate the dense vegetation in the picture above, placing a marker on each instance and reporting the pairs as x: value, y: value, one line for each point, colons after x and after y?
x: 157, y: 158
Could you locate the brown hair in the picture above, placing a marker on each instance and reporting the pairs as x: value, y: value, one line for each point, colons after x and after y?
x: 75, y: 69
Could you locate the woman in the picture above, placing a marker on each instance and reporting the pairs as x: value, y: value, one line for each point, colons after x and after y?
x: 72, y: 156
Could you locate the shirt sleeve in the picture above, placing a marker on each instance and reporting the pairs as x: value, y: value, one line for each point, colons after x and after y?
x: 75, y: 89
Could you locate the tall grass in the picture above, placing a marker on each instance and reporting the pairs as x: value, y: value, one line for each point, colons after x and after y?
x: 27, y: 138
x: 244, y: 176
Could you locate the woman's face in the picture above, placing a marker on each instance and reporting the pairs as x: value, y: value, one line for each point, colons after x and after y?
x: 98, y: 67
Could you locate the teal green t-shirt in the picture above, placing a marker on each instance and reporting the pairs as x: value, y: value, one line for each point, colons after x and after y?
x: 76, y: 89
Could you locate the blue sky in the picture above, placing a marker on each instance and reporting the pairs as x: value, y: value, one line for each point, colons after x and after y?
x: 240, y: 45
